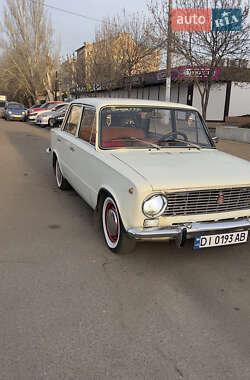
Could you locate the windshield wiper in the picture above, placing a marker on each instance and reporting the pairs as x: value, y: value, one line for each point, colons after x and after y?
x: 130, y: 138
x: 183, y: 141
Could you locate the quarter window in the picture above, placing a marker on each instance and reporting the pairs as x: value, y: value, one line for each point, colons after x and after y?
x: 73, y: 119
x: 87, y: 130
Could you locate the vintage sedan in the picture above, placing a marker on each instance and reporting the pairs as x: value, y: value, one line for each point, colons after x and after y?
x: 151, y: 171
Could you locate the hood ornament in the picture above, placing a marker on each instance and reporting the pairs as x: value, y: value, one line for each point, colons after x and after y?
x: 220, y: 199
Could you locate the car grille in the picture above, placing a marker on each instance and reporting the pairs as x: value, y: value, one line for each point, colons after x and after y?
x: 208, y: 201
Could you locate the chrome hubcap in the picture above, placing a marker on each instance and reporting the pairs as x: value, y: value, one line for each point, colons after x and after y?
x: 112, y: 222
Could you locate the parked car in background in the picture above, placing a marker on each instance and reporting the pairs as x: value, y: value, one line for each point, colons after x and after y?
x: 151, y: 171
x: 2, y: 107
x: 45, y: 106
x: 15, y: 111
x: 44, y: 116
x: 29, y: 110
x: 57, y: 118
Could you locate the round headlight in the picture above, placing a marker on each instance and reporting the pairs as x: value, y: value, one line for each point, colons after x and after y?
x: 154, y: 205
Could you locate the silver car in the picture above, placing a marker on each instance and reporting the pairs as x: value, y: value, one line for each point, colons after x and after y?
x: 43, y: 119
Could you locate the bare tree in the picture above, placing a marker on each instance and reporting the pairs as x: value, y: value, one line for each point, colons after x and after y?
x: 205, y: 48
x: 123, y: 47
x: 27, y: 45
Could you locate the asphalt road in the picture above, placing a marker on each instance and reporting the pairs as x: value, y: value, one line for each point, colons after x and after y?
x: 71, y: 310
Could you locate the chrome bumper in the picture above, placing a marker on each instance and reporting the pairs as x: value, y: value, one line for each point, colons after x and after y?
x: 181, y: 232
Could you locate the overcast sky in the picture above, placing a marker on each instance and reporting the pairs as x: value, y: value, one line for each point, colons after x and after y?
x: 73, y: 31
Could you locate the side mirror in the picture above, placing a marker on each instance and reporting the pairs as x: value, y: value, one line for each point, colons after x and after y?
x: 215, y: 139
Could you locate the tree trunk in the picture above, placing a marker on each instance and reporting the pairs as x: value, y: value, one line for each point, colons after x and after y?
x: 48, y: 87
x: 205, y: 98
x: 129, y: 88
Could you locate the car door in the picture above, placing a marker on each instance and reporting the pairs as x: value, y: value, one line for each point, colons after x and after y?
x: 65, y: 142
x: 83, y: 153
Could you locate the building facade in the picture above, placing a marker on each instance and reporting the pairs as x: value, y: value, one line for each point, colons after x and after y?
x: 229, y: 95
x: 105, y: 62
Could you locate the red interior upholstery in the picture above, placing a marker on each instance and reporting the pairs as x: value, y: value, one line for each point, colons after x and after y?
x: 85, y: 133
x: 110, y: 133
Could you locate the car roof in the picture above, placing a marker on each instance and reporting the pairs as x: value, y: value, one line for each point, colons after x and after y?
x: 14, y: 103
x: 102, y: 102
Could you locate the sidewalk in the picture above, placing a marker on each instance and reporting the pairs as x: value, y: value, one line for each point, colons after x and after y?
x: 236, y: 148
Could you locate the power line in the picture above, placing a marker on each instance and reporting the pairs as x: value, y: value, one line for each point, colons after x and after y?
x: 76, y: 14
x: 72, y: 13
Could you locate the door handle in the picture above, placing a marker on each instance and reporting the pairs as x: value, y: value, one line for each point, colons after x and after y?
x: 59, y: 140
x: 72, y: 149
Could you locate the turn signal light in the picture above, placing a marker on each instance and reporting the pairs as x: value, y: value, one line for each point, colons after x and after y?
x: 151, y: 223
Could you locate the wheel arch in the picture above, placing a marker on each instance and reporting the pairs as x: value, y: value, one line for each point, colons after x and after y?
x: 102, y: 194
x: 54, y: 158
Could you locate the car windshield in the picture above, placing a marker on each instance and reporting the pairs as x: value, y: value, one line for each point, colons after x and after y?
x: 51, y: 105
x: 16, y: 107
x: 61, y: 109
x: 44, y: 105
x: 58, y: 107
x: 154, y: 127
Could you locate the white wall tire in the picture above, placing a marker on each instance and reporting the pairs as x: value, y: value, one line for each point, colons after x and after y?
x: 111, y: 223
x: 61, y: 182
x: 114, y: 233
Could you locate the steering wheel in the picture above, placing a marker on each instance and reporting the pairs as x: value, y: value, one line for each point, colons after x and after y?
x: 129, y: 123
x: 174, y: 136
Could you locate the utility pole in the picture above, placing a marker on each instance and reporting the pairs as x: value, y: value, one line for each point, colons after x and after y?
x: 169, y: 52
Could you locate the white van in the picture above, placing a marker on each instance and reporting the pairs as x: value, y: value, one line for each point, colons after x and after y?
x: 3, y: 102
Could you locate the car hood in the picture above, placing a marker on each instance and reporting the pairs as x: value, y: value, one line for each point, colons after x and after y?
x: 187, y: 169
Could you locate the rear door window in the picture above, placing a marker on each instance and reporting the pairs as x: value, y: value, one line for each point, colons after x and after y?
x: 87, y: 130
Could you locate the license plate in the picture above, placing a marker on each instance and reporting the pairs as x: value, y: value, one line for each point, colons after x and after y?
x: 220, y: 239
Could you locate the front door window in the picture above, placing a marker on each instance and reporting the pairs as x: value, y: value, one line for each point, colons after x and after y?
x: 73, y: 119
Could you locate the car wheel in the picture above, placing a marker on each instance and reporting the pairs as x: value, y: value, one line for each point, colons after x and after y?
x: 114, y: 233
x: 51, y: 123
x: 61, y: 182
